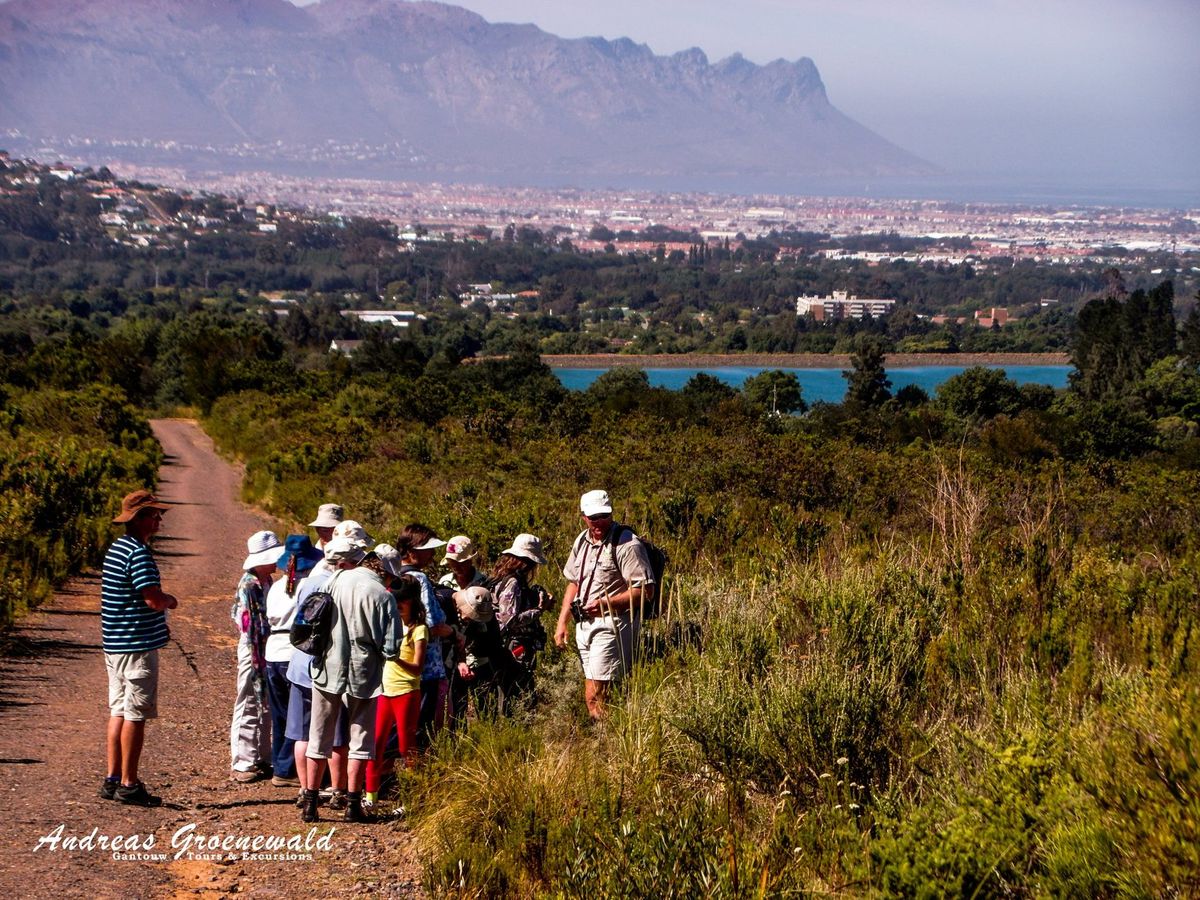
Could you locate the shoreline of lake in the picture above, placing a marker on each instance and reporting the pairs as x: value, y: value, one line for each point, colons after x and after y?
x: 795, y: 360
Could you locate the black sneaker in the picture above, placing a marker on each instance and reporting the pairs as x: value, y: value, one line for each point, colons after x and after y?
x: 108, y: 790
x: 137, y: 795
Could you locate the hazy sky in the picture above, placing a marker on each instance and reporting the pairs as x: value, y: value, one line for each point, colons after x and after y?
x: 1083, y: 89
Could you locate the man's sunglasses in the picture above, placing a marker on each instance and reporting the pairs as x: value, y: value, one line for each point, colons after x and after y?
x: 599, y: 517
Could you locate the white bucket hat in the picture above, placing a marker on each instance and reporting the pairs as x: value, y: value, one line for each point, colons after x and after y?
x: 351, y: 529
x: 475, y: 604
x: 595, y: 503
x: 527, y: 546
x: 460, y: 548
x: 262, y: 548
x: 328, y: 516
x: 390, y: 557
x: 344, y: 549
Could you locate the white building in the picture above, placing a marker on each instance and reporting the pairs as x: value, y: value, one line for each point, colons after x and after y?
x: 397, y: 318
x: 842, y: 306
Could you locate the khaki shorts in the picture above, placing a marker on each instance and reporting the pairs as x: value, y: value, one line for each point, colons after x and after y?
x: 132, y: 685
x: 605, y: 647
x: 325, y: 711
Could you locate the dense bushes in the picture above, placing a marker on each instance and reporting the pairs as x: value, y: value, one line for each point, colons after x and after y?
x: 839, y: 732
x: 66, y: 457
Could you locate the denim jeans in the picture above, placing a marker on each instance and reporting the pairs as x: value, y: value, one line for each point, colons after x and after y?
x: 283, y: 759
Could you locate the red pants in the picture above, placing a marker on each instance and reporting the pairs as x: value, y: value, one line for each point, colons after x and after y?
x: 402, y: 712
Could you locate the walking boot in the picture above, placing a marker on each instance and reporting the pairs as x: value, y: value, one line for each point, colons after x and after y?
x: 354, y: 809
x: 309, y: 813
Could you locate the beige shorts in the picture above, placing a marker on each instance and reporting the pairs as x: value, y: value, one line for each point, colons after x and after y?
x: 325, y: 711
x: 605, y: 647
x: 132, y: 685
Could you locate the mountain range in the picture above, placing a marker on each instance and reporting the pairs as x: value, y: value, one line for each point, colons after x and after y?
x: 390, y: 88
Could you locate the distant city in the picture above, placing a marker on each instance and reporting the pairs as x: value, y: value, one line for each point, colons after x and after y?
x: 1040, y: 232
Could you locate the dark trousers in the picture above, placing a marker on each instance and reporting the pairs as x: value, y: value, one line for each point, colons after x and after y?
x: 460, y: 690
x: 283, y: 758
x: 433, y: 711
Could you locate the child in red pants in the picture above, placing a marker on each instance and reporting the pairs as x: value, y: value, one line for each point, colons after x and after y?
x: 401, y: 699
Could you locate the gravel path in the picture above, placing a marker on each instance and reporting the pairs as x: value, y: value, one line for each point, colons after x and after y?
x: 53, y: 713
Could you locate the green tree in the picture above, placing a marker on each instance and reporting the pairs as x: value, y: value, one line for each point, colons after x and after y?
x: 867, y: 383
x: 1117, y: 340
x: 706, y: 391
x: 1190, y: 336
x: 980, y: 393
x: 775, y: 391
x: 621, y: 389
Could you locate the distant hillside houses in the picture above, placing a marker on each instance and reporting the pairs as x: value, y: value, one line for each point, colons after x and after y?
x: 842, y: 306
x: 485, y: 293
x: 996, y: 317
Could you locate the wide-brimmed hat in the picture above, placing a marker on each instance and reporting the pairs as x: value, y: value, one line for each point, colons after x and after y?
x: 262, y: 549
x: 475, y: 604
x: 527, y: 546
x: 595, y: 503
x: 390, y: 557
x: 345, y: 549
x: 328, y: 515
x: 460, y: 548
x: 300, y: 547
x: 134, y: 503
x: 351, y: 529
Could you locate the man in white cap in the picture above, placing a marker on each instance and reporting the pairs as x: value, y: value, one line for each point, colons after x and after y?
x: 329, y: 516
x: 609, y: 579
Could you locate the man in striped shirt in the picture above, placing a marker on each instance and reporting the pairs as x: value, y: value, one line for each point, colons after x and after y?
x: 133, y: 624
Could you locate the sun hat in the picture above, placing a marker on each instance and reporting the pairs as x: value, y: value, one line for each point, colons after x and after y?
x: 431, y: 543
x: 300, y: 547
x: 134, y: 503
x: 351, y: 529
x: 390, y: 557
x: 475, y: 604
x: 595, y: 503
x: 345, y: 549
x: 527, y: 546
x: 262, y: 549
x: 460, y: 548
x: 328, y: 515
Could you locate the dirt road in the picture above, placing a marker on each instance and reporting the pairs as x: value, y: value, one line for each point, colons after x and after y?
x: 53, y: 713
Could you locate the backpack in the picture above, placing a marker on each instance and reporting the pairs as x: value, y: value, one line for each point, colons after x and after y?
x: 313, y: 625
x: 445, y: 598
x: 650, y: 609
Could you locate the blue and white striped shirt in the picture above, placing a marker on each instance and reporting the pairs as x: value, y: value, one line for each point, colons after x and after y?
x: 127, y: 624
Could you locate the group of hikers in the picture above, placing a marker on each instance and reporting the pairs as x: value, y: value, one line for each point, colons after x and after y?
x: 355, y: 656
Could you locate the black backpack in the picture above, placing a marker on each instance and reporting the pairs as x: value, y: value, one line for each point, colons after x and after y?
x: 313, y: 625
x: 650, y: 609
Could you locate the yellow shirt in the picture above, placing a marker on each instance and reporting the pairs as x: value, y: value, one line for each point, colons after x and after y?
x: 397, y: 681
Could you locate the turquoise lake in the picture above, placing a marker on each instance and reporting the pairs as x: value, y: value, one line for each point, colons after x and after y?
x: 823, y: 385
